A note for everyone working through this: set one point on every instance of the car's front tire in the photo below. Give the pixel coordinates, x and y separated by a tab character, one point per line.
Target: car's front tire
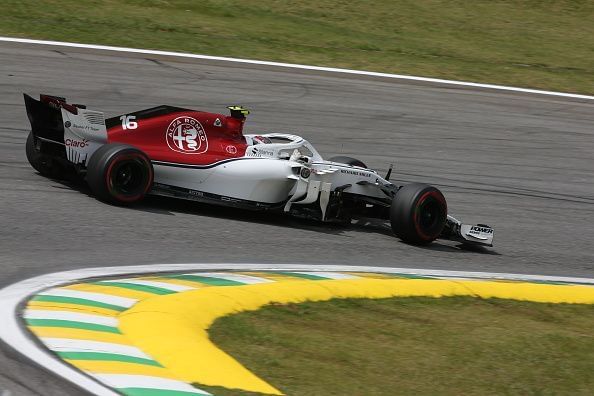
418	213
120	174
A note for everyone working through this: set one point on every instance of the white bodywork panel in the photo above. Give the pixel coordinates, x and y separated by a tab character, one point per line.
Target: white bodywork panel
253	179
270	180
290	171
84	133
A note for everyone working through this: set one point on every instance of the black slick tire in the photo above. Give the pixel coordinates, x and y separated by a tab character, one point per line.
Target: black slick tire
418	213
341	159
41	163
120	174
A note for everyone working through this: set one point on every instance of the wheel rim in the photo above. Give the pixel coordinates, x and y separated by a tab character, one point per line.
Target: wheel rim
128	177
430	215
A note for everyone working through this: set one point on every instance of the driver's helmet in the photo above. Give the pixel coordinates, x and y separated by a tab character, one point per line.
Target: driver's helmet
261	140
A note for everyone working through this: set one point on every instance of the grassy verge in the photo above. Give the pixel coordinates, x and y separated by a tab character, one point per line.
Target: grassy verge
420	346
540	44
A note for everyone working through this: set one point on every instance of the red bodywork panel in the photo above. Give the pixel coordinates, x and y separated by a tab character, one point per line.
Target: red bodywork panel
177	135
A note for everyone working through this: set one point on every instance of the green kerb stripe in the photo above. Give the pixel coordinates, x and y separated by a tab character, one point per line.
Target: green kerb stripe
206	280
112	357
158	392
302	276
77	301
410	276
134	286
72	325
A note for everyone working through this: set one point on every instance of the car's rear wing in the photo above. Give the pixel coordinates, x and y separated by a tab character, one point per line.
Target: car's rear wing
45	117
65	130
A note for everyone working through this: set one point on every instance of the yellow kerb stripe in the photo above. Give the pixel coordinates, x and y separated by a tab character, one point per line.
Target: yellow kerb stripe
106	367
111	290
177	282
79	334
272	276
53	306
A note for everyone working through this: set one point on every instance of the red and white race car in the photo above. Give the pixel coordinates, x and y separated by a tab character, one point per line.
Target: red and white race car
201	156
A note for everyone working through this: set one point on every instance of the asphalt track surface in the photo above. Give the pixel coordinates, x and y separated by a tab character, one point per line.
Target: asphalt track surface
521	163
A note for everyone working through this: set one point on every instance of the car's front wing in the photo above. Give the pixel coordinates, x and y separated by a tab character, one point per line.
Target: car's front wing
479	234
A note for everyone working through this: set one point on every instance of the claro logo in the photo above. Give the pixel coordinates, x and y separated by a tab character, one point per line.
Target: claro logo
76	143
187	136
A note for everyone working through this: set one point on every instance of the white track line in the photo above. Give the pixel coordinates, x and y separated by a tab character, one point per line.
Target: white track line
71	316
122	302
74	345
12	296
293	66
148	382
142	282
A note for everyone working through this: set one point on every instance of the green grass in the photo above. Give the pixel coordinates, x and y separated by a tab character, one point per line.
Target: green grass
415	346
547	44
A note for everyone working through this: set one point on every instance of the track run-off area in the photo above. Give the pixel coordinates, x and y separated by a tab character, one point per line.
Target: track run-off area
520	162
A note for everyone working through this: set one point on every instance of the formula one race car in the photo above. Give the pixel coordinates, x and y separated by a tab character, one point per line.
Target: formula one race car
205	157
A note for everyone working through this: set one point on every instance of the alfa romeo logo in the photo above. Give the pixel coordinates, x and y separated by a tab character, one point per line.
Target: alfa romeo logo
186	135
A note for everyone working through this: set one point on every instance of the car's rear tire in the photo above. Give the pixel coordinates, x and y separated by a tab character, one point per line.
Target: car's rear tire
119	174
40	162
341	159
418	213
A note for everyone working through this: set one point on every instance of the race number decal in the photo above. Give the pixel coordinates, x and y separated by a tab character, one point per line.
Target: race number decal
186	135
128	122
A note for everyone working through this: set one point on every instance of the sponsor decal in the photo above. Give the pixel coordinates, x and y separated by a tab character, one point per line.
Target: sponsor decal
355	173
262	153
479	230
187	136
231	149
67	124
86	128
218	122
196	193
76	143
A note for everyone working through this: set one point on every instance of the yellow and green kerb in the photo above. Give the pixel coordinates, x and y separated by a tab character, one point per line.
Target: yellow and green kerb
147	335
